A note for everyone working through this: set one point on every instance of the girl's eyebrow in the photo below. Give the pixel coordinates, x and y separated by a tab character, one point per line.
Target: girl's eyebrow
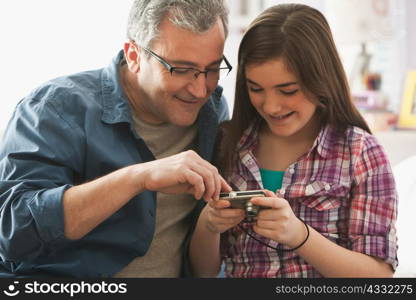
286	84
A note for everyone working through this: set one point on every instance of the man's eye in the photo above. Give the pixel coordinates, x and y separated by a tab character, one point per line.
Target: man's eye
288	93
213	71
182	71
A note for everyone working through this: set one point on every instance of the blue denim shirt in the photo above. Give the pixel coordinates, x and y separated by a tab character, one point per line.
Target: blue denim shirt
69	131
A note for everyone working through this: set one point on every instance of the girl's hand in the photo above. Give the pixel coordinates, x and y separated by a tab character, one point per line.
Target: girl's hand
278	223
219	218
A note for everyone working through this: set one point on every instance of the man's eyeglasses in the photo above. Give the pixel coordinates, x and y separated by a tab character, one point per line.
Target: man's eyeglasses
188	74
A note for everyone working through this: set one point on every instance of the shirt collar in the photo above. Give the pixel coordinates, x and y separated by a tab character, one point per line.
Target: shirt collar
115	105
323	143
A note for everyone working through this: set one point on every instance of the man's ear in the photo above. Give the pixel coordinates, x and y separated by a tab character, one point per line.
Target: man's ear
132	57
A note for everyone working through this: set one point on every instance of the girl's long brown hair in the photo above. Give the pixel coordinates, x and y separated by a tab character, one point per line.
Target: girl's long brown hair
301	36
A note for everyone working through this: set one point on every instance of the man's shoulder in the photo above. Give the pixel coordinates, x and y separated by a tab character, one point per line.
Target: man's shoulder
78	84
79	91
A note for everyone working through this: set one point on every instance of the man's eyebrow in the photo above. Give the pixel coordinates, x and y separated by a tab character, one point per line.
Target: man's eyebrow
194	65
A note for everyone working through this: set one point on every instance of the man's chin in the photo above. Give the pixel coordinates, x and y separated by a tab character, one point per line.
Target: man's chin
184	115
184	121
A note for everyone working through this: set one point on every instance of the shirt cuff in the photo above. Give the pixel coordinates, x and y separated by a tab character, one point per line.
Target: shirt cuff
47	211
377	246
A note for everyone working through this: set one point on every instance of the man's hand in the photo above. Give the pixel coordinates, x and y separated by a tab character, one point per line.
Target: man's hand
89	204
185	172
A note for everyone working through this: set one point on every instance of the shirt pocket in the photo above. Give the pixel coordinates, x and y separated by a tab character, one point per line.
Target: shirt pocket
319	195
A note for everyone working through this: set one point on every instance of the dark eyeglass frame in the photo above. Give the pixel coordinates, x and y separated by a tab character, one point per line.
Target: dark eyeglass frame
171	68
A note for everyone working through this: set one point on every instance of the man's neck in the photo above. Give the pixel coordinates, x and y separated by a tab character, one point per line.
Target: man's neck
134	95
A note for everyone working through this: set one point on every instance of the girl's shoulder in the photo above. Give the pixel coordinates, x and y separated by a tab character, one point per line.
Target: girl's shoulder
360	136
362	145
354	140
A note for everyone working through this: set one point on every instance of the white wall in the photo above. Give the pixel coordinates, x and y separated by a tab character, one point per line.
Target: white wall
43	39
411	36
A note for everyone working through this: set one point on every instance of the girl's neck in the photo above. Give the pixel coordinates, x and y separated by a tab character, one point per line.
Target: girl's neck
305	136
279	152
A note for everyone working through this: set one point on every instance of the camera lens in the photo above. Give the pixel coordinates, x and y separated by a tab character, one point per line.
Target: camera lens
251	210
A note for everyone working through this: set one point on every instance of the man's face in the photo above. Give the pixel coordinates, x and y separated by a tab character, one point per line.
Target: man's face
164	98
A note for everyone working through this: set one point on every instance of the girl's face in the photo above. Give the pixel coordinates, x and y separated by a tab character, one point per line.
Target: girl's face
277	96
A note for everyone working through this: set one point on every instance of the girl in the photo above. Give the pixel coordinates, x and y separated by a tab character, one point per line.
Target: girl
331	206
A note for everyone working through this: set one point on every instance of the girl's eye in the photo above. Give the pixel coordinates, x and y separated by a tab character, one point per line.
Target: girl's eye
288	93
255	90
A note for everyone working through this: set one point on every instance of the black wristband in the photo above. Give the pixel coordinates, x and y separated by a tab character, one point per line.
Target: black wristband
301	244
277	249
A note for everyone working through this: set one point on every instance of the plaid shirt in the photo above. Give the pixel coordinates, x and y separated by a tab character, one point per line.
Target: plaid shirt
343	188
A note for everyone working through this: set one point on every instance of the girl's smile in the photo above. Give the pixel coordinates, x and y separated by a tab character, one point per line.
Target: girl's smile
277	96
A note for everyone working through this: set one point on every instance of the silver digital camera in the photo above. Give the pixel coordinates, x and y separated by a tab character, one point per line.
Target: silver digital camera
241	199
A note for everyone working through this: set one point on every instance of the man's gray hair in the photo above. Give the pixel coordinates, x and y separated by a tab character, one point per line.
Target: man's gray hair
194	15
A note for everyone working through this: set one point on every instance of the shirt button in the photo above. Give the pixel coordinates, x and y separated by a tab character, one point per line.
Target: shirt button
327	187
309	190
282	191
291	171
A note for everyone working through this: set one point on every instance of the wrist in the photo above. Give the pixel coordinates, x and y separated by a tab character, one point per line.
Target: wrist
207	224
137	176
211	229
302	236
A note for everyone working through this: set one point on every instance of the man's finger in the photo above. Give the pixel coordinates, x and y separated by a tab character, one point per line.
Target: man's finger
225	186
207	177
197	182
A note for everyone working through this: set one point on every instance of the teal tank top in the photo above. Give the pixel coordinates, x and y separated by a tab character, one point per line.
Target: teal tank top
272	180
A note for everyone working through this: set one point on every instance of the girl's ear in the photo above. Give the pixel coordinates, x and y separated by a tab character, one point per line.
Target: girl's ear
131	53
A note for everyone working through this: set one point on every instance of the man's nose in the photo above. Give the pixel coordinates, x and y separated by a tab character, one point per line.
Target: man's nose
198	87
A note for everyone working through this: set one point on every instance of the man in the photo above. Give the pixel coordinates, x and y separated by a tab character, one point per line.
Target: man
99	171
